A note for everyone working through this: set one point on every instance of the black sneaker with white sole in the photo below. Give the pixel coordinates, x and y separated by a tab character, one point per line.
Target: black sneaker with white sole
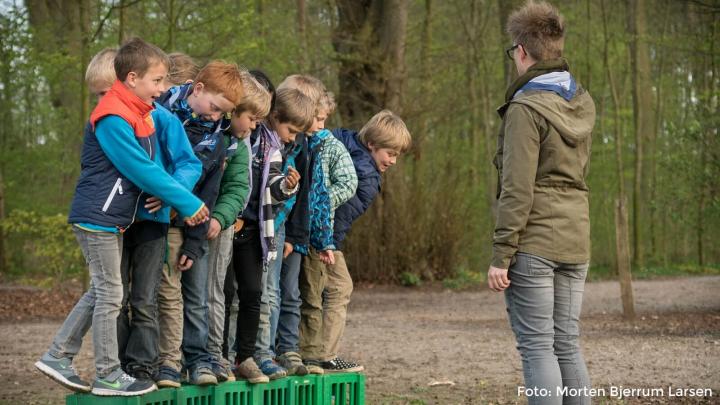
338	365
62	371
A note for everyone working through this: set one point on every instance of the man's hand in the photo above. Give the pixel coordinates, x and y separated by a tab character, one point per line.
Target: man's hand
184	263
200	217
214	229
153	204
498	279
292	178
287	250
327	256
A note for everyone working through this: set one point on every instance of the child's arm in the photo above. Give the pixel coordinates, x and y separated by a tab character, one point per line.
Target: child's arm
343	178
281	187
186	168
118	141
234	189
195	238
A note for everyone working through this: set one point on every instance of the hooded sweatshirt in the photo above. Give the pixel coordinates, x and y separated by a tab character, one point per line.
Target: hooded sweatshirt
542	160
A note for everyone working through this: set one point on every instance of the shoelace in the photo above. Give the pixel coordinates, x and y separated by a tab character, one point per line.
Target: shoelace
127	378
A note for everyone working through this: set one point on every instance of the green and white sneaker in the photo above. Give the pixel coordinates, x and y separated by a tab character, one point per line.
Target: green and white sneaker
118	383
62	371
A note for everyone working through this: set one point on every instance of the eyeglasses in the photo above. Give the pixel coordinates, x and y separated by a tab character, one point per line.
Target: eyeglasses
509	51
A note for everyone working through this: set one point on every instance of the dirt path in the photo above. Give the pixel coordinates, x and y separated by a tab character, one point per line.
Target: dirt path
407	338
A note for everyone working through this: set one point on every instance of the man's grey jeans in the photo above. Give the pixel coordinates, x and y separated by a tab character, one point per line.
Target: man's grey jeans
544	300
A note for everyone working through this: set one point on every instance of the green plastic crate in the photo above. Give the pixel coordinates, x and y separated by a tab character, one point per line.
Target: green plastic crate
165	396
331	389
343	389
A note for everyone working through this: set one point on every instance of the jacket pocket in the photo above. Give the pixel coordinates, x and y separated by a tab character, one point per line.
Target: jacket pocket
117	189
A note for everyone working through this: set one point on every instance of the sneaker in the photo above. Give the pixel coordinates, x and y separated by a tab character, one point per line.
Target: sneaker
338	365
313	367
292	362
142	374
63	372
167	377
272	370
118	383
203	376
221	372
249	371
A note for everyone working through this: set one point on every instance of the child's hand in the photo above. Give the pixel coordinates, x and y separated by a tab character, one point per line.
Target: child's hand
153	204
214	229
200	217
184	263
327	257
238	225
292	178
287	250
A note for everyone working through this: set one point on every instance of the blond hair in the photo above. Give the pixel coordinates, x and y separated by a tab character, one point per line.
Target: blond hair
100	73
183	69
256	98
539	28
386	130
308	85
220	77
327	103
295	108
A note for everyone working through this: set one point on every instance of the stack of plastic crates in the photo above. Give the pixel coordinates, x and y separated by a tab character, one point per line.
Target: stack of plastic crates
330	389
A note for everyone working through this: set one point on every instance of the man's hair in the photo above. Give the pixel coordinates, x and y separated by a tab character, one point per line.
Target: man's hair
386	130
182	69
220	77
292	106
256	97
327	103
136	55
100	72
539	28
308	85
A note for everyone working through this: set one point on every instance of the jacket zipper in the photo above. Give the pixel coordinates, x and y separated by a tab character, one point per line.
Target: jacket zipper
117	188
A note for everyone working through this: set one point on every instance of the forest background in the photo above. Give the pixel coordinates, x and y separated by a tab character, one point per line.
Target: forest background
650	65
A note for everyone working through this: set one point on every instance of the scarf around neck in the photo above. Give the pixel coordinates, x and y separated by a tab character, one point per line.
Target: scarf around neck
122	102
321	231
268	144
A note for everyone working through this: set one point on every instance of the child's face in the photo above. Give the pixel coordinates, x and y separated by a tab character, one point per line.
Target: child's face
150	86
384	157
243	124
318	122
287	132
209	106
99	90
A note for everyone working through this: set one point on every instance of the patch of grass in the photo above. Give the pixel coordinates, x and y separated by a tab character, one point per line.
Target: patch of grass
602	272
409	279
464	279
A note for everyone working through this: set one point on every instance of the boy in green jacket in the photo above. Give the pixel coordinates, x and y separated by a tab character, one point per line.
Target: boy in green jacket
234	190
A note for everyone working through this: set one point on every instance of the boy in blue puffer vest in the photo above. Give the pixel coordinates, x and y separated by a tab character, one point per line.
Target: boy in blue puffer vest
117	166
373	150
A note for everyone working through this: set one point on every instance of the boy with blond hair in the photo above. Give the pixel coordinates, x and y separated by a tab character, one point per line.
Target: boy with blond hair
117	163
374	149
234	190
255	244
183	69
100	73
331	181
201	106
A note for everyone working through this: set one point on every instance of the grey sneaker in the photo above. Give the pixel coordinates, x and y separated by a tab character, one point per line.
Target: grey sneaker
292	362
203	376
249	371
314	367
63	372
118	383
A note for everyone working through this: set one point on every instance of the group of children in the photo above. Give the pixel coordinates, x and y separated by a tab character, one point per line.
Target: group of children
210	209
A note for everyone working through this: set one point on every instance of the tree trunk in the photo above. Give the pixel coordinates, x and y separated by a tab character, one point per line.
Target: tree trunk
370	39
621	219
121	22
643	120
